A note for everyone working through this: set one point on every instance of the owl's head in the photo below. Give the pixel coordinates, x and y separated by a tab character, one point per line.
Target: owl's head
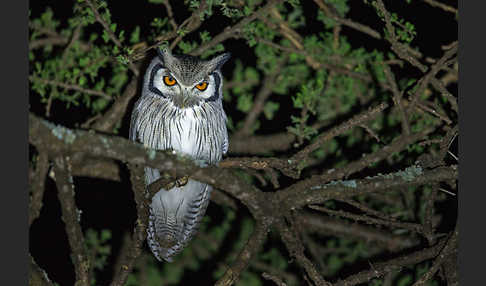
186	81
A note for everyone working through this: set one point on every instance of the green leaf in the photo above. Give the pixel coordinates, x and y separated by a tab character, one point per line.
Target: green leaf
99	104
105	36
244	103
270	108
135	36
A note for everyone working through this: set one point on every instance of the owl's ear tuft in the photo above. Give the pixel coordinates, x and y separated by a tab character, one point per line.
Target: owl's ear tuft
217	62
164	54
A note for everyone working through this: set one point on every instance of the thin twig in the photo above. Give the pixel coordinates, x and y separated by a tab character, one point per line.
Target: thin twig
110	33
397	98
356	120
430	76
449	248
108	121
369	220
70	87
355	25
367	209
277	280
327	225
394	264
235	30
170	14
259	103
441	6
403	51
423	105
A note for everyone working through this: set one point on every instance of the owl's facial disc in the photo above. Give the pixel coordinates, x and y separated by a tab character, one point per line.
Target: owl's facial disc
184	82
185	97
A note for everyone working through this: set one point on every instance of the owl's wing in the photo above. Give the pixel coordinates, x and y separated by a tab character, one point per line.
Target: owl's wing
225	135
133	125
225	143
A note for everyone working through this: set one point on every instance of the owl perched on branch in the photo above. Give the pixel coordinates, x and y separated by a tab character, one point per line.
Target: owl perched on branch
180	109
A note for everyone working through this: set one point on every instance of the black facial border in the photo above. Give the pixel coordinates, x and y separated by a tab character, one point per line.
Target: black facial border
217	82
151	86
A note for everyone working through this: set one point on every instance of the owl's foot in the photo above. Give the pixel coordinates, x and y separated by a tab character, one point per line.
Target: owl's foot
179	182
169	186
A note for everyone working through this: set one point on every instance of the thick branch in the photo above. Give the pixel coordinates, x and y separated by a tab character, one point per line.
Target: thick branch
58	139
356	166
261	144
37	275
345	189
296	249
71	218
251	248
38	186
140	231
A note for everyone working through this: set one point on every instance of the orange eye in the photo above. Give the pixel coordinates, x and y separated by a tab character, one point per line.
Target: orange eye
170	81
202	86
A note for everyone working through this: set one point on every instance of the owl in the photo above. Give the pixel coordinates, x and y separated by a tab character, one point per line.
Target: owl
180	109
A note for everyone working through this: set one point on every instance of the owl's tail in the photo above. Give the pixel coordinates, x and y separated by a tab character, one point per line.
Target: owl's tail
175	216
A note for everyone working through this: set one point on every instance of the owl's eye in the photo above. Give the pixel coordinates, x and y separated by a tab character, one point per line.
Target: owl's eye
169	81
202	86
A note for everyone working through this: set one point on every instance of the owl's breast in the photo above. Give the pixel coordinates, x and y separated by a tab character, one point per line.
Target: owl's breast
186	136
199	132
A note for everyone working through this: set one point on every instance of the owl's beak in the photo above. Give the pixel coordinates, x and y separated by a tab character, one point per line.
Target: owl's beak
183	100
180	100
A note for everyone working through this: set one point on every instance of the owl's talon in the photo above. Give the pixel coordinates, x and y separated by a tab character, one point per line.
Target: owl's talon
169	186
180	182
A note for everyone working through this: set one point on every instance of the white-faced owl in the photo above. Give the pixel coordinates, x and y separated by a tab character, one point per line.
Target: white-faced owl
180	108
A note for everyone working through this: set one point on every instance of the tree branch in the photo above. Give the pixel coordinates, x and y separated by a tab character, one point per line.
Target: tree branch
235	30
38	186
110	33
71	217
382	268
296	249
251	248
70	87
449	249
140	229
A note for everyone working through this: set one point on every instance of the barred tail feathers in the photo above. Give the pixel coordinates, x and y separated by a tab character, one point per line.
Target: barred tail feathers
175	216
